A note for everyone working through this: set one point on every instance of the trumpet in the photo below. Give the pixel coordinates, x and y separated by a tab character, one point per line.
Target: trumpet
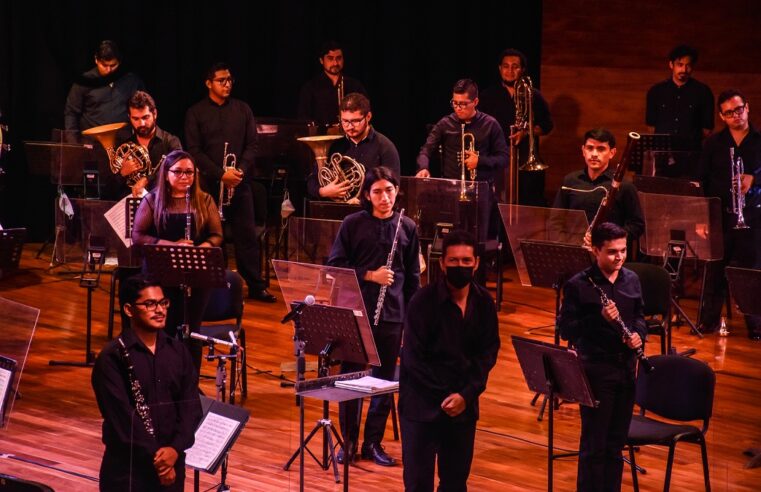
738	199
226	195
467	146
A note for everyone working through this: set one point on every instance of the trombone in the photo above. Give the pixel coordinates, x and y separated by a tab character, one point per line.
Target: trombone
524	121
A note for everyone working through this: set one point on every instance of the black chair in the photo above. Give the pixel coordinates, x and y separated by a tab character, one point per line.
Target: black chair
679	389
226	304
656	294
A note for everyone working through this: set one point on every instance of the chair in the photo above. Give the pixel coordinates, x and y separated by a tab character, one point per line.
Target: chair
656	294
679	389
226	303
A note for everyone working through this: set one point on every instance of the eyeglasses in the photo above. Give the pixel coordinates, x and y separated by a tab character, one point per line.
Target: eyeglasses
460	104
152	305
188	173
224	81
353	122
738	111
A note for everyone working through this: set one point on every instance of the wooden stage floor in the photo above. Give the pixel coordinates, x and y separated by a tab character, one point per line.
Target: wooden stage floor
54	432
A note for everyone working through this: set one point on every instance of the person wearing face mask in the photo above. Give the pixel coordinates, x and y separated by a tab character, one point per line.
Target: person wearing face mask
363	243
451	342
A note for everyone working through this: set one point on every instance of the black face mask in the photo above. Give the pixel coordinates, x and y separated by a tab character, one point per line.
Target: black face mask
459	276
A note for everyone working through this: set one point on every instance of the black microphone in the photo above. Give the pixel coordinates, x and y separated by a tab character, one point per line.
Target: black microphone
296	310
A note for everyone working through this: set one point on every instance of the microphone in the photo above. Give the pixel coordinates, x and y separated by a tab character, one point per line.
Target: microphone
206	339
308	301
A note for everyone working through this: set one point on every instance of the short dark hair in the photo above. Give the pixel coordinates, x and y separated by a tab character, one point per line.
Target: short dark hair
355	102
683	50
330	45
458	237
729	94
513	52
466	86
607	231
601	135
216	67
108	50
371	176
141	99
131	287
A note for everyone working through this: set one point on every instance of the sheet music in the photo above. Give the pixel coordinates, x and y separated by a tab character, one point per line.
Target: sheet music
117	218
5	381
211	440
368	384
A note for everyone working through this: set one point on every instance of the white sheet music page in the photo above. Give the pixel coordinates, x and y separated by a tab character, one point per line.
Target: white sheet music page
117	218
211	439
5	381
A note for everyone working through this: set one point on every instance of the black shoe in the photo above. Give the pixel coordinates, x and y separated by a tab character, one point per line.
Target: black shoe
261	295
374	451
754	335
340	456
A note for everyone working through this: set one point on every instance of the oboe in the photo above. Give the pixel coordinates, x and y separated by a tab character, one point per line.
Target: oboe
639	351
389	262
188	215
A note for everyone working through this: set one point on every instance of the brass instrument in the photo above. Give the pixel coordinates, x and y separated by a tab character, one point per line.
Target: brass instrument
3	147
467	146
738	199
229	161
106	135
524	97
345	169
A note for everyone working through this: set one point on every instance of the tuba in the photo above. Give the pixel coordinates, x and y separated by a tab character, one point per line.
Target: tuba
345	169
106	135
229	161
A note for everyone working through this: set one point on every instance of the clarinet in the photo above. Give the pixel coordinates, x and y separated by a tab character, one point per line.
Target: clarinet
141	407
640	352
389	262
187	214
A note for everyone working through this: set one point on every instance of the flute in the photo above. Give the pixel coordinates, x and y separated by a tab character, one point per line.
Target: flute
639	351
389	262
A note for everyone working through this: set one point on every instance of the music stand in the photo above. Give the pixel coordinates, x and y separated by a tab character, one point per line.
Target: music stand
11	245
185	267
647	143
553	371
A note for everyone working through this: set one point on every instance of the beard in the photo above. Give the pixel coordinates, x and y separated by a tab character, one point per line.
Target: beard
145	131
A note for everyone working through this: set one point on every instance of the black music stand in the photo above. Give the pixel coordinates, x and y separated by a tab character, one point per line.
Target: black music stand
185	267
550	265
647	143
553	371
11	244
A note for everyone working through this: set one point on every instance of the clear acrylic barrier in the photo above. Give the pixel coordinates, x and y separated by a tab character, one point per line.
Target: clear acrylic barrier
330	286
19	323
62	158
431	200
310	240
556	225
670	163
696	220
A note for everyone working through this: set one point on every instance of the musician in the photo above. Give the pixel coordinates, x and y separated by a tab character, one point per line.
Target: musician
144	131
319	97
499	102
362	143
608	359
209	124
451	341
742	248
582	190
162	218
100	95
364	243
681	105
134	459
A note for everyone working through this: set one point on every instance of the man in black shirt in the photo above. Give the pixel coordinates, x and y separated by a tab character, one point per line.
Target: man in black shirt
147	430
499	102
218	124
362	143
585	189
680	105
319	97
609	360
364	243
451	341
143	131
742	247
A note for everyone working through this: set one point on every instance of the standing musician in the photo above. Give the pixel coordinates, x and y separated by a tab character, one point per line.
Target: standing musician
210	124
320	97
364	243
147	392
609	361
177	211
451	342
143	131
499	101
583	190
362	143
742	247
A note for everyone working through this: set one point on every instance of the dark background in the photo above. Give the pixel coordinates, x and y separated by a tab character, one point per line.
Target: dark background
408	55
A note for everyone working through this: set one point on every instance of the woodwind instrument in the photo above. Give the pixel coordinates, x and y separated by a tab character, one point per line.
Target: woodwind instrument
141	408
389	263
188	215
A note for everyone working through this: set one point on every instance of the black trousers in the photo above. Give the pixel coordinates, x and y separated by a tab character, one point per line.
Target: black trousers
116	474
388	338
604	429
242	216
451	442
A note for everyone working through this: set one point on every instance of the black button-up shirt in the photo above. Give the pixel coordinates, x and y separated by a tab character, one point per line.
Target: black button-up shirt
160	145
95	100
445	352
682	111
318	99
